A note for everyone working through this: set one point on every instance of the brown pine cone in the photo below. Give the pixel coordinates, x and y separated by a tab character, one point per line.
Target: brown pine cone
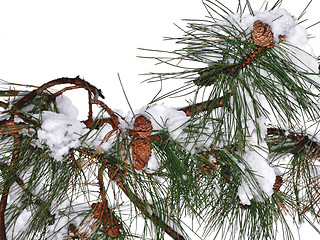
110	224
141	151
111	228
142	127
262	34
277	184
207	168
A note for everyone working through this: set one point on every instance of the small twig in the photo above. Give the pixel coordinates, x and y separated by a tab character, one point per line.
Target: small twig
101	187
76	81
56	94
114	118
90	112
3	205
110	224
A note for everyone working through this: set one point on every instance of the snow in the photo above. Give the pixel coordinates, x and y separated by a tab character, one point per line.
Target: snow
59	133
153	163
66	107
19	227
101	140
265	176
62	131
67	213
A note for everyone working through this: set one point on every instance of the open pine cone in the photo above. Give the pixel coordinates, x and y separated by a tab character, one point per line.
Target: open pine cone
262	34
110	224
141	151
142	127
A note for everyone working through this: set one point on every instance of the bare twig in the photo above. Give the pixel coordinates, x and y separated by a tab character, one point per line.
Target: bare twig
114	118
109	222
56	94
76	81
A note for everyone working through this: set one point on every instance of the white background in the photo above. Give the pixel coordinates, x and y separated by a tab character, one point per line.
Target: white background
96	39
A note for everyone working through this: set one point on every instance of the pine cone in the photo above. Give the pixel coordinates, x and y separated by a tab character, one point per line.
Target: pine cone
262	34
111	228
141	151
110	224
277	184
207	168
142	127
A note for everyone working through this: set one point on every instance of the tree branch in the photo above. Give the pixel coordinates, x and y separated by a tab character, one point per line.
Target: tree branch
7	185
204	106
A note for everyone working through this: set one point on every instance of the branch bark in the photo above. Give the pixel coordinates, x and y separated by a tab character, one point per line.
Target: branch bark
204	106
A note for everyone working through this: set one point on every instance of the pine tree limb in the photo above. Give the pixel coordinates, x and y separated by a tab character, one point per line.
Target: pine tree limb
89	121
3	205
7	185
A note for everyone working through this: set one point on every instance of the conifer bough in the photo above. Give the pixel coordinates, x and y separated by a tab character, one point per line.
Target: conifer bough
235	162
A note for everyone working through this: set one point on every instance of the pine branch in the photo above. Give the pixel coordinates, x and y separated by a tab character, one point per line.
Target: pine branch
141	205
141	132
7	185
301	139
206	165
